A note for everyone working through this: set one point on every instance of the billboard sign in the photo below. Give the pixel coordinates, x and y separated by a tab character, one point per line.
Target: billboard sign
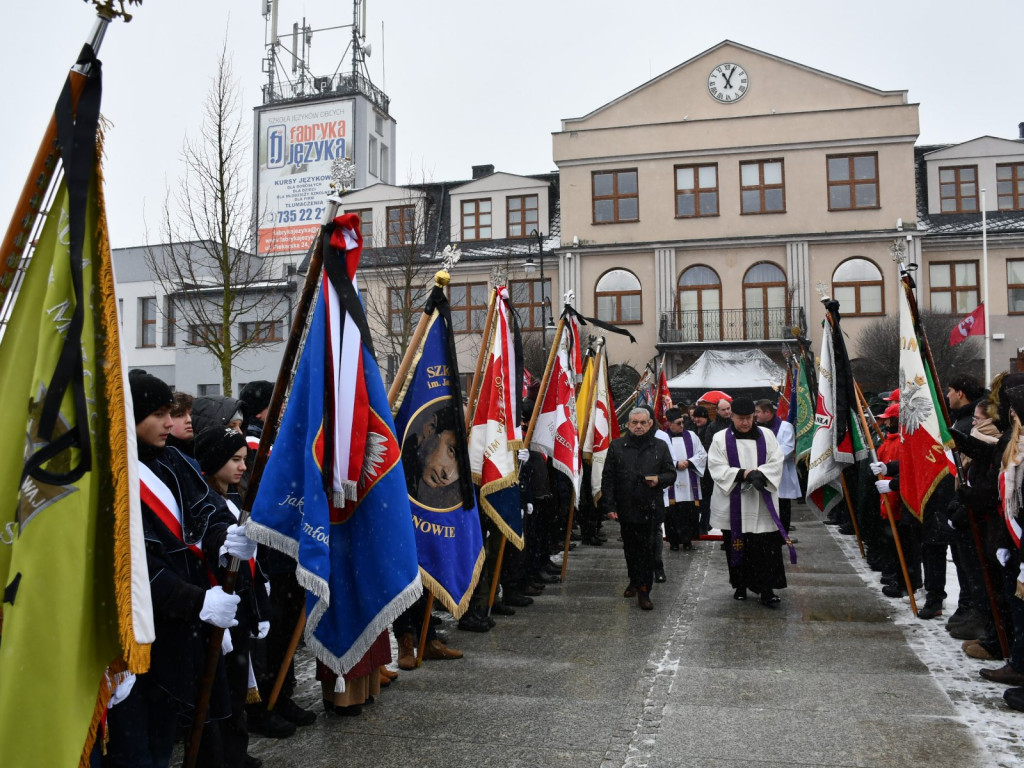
296	146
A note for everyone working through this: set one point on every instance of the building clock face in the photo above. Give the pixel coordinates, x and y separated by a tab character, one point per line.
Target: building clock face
728	82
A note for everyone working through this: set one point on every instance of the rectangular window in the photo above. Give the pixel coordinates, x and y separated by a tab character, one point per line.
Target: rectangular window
522	215
1010	186
404	308
372	165
203	335
958	189
762	187
476	219
534	308
207	390
365	225
170	322
401	225
852	181
385	162
1015	286
696	190
469	306
616	196
378	123
147	321
953	287
261	331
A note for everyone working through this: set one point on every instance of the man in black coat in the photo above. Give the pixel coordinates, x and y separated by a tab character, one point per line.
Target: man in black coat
638	467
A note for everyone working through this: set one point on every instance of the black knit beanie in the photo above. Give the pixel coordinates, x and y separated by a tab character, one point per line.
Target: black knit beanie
149	394
214	446
255	396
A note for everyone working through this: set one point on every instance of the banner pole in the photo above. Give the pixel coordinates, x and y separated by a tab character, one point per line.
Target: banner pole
497	572
423	629
284	379
544	383
485	345
889	513
286	662
40	175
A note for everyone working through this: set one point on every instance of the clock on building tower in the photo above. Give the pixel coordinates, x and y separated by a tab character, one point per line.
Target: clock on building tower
728	82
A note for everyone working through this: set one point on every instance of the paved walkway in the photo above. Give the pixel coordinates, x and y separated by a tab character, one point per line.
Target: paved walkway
584	678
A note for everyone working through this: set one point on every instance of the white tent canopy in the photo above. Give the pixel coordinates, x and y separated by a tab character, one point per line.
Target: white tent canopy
736	369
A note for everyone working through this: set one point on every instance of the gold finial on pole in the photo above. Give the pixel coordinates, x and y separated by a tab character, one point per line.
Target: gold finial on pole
106	9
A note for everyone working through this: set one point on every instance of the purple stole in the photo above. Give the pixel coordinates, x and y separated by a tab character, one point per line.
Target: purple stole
774	426
694	483
736	503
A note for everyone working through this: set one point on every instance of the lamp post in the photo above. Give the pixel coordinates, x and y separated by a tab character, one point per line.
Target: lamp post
530	267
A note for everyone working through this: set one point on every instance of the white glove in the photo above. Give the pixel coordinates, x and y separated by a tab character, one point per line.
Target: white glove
1003	556
237	544
524	455
262	629
226	645
122	691
1020	576
529	508
219	608
882	486
877	468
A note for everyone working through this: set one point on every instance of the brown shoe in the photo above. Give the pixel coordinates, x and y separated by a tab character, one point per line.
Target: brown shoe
406	651
1006	675
976	650
643	599
630	591
437	650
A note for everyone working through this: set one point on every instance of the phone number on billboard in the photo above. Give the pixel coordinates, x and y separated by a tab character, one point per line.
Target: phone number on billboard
299	214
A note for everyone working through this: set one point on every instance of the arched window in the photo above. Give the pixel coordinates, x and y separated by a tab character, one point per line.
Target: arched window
699	300
618	297
765	313
857	286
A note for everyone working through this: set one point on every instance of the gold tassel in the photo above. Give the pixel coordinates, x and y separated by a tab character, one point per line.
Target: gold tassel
135	655
252	696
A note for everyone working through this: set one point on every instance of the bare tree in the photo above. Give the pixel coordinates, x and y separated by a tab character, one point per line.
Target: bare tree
401	264
220	295
878	346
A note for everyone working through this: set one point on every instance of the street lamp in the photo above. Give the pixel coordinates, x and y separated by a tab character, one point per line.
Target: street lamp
529	267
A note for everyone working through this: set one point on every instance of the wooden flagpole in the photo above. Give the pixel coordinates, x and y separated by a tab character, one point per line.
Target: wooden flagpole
284	378
485	345
44	165
861	405
973	520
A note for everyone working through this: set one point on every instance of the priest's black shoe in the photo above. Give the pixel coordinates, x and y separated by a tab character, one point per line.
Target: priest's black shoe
474	622
740	593
500	609
659	577
547	578
769	598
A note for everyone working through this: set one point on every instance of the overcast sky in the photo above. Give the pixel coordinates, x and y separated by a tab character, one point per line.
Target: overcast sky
474	82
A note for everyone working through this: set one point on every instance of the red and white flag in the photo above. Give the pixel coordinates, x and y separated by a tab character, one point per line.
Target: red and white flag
603	427
972	325
346	397
556	433
495	432
924	437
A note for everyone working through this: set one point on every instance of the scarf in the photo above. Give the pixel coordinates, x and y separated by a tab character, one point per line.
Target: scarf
736	497
1010	493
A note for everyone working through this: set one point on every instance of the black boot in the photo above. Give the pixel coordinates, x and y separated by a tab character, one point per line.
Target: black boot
932	608
475	620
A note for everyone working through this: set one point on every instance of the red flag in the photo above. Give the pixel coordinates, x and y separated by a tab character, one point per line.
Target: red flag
664	399
556	433
972	325
783	408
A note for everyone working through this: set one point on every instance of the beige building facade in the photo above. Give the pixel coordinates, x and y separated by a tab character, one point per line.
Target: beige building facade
716	197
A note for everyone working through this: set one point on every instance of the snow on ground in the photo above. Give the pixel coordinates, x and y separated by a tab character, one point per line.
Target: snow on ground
978	702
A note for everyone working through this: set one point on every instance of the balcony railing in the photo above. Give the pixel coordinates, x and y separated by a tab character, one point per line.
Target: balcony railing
718	325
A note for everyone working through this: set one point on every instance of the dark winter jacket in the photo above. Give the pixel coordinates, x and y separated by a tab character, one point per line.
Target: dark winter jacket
623	489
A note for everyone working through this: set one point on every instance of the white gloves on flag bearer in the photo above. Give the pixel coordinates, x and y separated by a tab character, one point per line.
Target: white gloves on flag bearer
219	608
877	468
237	544
882	486
524	455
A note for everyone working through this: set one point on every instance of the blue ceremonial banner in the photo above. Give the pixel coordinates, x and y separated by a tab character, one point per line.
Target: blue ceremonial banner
431	426
357	561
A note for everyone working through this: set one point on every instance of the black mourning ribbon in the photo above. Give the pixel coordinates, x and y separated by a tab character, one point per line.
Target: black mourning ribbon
76	137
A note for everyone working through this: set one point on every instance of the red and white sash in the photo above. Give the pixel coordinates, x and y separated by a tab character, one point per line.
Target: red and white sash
155	494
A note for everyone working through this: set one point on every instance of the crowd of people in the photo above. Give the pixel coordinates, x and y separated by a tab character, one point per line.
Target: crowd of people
734	471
